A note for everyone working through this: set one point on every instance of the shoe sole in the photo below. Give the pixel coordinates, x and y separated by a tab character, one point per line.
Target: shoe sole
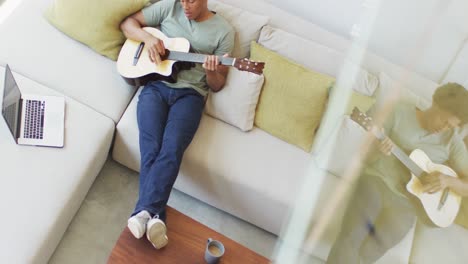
133	226
157	235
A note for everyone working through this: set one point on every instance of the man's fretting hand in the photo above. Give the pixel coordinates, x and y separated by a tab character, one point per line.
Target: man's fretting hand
386	146
212	63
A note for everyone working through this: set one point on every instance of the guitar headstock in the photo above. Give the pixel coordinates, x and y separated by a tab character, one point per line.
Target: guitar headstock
250	66
362	119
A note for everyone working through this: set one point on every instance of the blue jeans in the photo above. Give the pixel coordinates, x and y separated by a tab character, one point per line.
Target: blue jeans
167	120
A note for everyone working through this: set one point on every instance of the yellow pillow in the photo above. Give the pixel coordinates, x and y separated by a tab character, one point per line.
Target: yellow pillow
363	102
94	22
293	98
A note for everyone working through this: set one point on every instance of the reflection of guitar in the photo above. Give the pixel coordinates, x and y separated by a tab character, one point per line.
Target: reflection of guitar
441	207
134	63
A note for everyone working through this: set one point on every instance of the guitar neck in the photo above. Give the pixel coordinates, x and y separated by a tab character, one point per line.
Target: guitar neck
405	159
402	157
197	58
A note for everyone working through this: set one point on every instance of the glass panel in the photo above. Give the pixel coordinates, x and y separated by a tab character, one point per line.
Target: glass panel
386	185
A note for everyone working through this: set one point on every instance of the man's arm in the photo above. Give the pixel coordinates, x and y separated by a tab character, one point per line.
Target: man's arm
132	27
459	185
436	181
385	146
215	73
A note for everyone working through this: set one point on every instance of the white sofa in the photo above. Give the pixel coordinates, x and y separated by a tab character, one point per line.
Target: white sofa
43	188
253	175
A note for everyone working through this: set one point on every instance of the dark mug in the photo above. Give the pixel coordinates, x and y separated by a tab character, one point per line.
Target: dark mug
214	251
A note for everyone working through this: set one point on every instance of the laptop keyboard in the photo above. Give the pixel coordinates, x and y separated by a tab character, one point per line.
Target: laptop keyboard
34	119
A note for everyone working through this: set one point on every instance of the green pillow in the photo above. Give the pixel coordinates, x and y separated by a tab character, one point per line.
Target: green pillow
95	23
293	98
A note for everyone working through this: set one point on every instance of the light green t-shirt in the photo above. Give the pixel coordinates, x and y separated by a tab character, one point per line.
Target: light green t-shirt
403	128
212	36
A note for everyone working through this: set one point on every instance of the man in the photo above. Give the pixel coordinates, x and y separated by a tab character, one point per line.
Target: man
168	114
382	211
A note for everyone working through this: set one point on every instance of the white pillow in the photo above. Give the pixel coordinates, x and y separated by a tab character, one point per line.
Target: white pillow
366	83
235	104
341	147
246	24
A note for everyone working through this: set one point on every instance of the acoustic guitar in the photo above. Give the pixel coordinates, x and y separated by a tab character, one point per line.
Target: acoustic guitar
135	66
441	207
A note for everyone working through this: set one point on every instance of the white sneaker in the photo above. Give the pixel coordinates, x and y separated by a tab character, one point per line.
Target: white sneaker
137	223
156	233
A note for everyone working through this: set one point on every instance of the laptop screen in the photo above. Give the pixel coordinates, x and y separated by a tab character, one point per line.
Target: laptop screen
11	102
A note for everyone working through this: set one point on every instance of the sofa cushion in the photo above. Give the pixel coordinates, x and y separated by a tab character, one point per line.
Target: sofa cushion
246	24
243	181
42	188
293	98
235	104
36	49
95	23
229	169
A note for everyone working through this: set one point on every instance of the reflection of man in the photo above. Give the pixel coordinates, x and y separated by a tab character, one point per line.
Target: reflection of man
380	213
168	114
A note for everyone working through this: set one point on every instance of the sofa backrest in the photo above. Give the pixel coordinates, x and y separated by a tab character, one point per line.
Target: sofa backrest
330	51
305	29
39	51
291	23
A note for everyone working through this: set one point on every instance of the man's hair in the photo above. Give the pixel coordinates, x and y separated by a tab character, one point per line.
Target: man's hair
453	98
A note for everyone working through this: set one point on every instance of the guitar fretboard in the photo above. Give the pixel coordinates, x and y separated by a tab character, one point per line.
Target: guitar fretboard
197	58
409	163
402	156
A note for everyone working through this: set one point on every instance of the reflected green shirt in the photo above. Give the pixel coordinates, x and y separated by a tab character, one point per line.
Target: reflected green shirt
403	128
212	36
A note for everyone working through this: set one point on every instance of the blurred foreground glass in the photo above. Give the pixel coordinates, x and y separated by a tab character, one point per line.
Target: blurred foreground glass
378	223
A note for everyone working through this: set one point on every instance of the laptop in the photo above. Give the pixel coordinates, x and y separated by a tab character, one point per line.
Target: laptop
33	119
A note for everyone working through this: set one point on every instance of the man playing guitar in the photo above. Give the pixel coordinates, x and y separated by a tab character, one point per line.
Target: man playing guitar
381	211
168	114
